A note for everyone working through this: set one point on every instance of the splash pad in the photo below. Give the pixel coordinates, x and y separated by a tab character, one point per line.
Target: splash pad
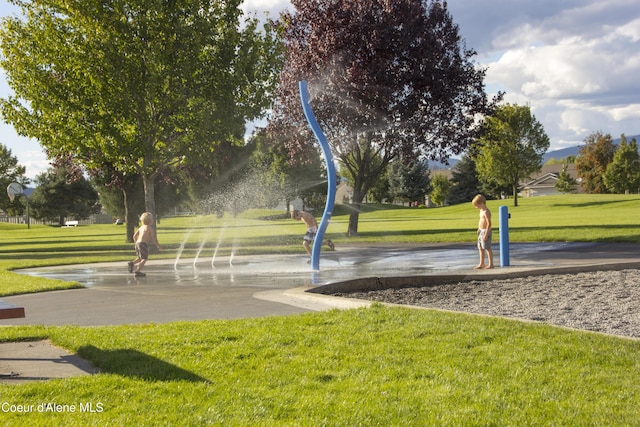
273	271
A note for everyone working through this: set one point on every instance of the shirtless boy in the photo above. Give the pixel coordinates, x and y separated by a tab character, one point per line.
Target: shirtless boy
484	232
312	229
145	236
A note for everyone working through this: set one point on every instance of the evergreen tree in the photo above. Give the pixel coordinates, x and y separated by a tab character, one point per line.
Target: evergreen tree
565	182
409	182
464	181
623	173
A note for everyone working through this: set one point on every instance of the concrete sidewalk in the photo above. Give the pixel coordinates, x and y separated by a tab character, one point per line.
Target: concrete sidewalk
259	286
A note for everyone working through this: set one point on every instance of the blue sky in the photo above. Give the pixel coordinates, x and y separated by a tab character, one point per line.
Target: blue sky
574	62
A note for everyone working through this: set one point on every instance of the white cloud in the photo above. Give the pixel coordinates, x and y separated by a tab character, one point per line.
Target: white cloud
274	7
575	63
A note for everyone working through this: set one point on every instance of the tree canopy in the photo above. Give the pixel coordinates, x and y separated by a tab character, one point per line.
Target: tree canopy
592	162
62	192
511	147
440	189
409	182
622	175
135	85
387	78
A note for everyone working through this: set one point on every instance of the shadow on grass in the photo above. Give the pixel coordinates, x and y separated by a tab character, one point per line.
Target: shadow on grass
592	233
133	363
60	257
590	204
418	232
595	233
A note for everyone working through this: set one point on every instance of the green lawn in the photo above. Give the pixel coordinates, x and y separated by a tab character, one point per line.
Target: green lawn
377	366
371	367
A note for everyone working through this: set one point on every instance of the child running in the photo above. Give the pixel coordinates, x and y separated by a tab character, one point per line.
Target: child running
142	238
312	229
484	232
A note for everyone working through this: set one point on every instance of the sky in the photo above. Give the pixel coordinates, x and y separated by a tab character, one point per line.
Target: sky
576	63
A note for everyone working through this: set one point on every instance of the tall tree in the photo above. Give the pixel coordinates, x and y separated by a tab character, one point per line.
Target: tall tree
409	182
592	162
511	147
10	171
282	176
440	189
62	192
379	188
140	85
623	173
464	181
386	78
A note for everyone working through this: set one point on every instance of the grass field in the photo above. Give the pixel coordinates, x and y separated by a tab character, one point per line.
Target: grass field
376	367
370	367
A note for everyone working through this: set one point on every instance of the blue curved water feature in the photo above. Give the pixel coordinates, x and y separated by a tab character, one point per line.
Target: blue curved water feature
331	174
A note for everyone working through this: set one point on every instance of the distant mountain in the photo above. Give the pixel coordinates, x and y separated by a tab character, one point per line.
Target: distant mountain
562	153
433	165
573	151
556	154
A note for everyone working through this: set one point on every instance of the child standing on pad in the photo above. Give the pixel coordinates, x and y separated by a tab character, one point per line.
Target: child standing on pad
484	232
312	229
142	238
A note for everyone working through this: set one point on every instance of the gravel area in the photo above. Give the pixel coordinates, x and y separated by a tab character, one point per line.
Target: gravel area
606	301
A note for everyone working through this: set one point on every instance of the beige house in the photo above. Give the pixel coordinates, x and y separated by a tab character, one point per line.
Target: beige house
543	183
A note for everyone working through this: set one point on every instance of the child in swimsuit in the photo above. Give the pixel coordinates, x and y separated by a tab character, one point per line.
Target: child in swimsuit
312	229
484	232
145	236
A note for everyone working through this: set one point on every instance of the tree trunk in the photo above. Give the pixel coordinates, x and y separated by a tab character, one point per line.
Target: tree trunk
515	195
358	196
150	194
130	214
353	221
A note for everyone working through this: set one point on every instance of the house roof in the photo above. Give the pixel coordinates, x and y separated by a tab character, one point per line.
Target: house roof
549	178
548	170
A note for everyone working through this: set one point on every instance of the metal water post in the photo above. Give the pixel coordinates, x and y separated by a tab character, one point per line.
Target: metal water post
504	236
331	174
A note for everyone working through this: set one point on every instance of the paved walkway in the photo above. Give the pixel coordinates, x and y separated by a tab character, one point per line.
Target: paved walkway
255	287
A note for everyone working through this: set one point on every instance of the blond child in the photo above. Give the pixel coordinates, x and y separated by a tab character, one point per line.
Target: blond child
312	229
484	232
143	237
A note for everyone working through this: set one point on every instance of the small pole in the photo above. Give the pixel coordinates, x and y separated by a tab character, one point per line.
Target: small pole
28	218
504	236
